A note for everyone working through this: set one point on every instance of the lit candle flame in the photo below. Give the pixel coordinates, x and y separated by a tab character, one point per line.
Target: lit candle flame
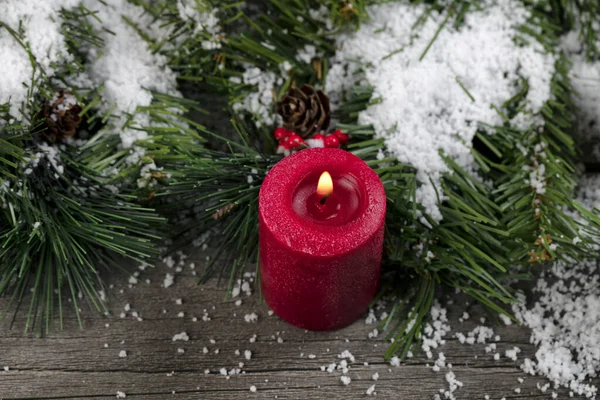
325	186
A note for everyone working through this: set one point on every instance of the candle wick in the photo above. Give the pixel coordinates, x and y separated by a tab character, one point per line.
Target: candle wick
324	199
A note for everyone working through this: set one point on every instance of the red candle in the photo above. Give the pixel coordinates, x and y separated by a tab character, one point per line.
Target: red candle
322	215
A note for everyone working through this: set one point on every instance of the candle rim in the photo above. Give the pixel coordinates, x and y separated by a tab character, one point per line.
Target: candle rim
311	237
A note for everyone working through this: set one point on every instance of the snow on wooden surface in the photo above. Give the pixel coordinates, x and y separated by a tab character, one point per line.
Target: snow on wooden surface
284	363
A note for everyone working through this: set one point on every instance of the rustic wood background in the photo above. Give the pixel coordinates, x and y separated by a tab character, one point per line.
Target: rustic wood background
84	363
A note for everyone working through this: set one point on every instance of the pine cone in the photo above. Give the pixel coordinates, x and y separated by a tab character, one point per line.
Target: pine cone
305	111
61	117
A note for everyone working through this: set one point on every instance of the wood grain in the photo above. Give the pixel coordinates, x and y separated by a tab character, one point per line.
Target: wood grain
75	364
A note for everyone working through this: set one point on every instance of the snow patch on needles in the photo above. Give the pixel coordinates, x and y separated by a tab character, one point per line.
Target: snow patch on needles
40	24
435	102
260	102
205	19
126	67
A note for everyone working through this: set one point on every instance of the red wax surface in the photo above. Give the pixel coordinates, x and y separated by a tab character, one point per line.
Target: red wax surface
320	264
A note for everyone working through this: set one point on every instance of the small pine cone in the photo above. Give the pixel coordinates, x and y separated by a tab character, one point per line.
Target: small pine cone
305	111
61	117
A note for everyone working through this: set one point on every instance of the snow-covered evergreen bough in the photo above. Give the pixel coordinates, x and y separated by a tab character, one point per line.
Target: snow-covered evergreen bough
86	103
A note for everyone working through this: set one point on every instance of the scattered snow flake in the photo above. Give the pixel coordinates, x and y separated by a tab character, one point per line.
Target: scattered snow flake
122	354
564	319
345	380
169	280
121	395
505	319
181	336
371	390
512	353
253	389
251	317
247	354
395	361
348	355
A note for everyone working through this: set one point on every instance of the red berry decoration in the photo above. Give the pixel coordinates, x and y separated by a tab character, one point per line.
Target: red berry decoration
342	136
294	141
282	133
318	136
331	141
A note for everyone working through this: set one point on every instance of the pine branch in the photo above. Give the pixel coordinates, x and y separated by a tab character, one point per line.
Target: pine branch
582	16
220	189
60	221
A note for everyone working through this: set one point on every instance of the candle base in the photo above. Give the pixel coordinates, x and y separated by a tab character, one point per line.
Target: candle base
323	295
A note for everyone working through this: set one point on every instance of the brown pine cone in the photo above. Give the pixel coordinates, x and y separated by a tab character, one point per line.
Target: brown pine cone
305	111
61	117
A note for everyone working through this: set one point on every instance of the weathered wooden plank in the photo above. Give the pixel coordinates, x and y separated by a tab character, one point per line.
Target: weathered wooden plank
406	382
74	363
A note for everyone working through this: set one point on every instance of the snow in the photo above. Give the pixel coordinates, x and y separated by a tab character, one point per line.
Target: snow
169	280
371	390
345	380
564	324
453	385
40	24
252	317
181	336
425	109
205	20
512	353
347	355
259	102
127	70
